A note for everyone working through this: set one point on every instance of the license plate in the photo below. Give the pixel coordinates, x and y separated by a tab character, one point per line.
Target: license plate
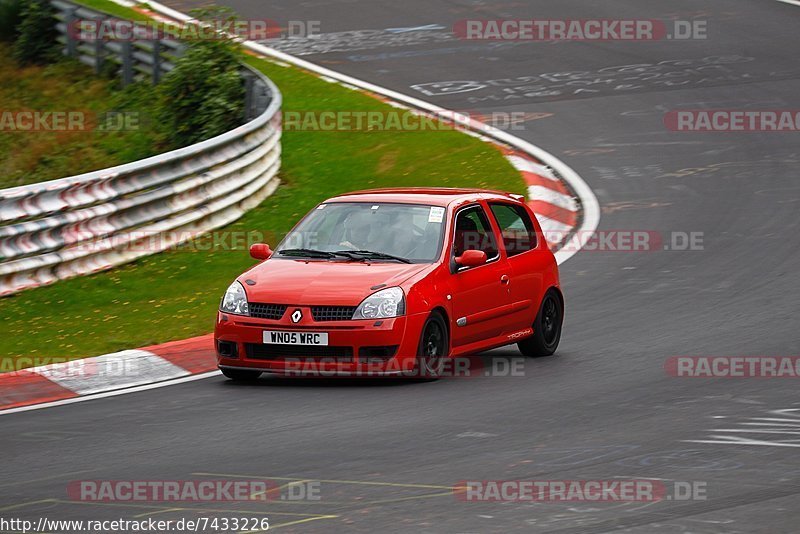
275	337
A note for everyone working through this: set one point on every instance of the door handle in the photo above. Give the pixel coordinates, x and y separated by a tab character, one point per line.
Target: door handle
504	279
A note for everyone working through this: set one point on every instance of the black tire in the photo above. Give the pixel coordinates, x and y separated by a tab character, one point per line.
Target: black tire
241	375
434	348
546	328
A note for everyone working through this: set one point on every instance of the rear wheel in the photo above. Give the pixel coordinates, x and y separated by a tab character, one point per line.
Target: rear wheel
434	347
546	328
241	375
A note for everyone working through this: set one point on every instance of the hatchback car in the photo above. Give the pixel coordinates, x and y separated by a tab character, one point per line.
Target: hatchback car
393	282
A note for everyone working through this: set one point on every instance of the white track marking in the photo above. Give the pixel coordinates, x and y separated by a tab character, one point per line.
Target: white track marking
791	2
117	370
427	27
757	431
787	425
526	165
115	393
552	226
733	440
545	194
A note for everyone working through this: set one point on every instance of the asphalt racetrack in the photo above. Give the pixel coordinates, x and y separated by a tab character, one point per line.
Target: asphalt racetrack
385	454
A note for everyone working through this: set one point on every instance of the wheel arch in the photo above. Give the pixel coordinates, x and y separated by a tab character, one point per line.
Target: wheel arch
558	292
443	312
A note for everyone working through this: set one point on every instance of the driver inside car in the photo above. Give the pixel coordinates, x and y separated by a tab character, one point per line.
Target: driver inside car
404	242
357	232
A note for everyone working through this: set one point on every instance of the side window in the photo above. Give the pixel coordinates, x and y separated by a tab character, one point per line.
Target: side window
518	232
473	232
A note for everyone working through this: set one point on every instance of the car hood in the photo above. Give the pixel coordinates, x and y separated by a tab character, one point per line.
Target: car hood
313	282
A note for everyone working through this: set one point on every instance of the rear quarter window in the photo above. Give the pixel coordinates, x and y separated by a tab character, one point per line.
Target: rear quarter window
516	228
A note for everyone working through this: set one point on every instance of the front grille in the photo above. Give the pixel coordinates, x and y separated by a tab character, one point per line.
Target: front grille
332	313
266	311
257	351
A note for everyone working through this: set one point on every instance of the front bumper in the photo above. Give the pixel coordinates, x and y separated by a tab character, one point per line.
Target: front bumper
384	347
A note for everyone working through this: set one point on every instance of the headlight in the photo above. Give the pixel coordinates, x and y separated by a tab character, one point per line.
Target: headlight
381	305
235	300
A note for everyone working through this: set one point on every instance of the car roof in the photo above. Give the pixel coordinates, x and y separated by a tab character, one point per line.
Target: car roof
435	196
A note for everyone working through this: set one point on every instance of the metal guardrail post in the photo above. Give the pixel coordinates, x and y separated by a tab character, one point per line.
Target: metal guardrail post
127	63
99	49
70	21
156	61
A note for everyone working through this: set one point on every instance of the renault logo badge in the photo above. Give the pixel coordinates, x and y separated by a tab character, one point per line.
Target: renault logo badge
296	316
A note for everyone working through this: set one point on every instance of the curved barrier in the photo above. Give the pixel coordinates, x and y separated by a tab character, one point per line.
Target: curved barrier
91	222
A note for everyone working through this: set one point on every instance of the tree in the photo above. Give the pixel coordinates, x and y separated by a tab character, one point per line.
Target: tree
203	96
36	42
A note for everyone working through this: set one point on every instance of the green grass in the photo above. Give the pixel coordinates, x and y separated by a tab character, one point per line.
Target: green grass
68	86
113	9
175	294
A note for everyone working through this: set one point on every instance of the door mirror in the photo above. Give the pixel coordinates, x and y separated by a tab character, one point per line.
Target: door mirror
260	251
471	258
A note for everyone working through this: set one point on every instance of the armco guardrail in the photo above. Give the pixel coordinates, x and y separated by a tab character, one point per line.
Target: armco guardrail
134	59
91	222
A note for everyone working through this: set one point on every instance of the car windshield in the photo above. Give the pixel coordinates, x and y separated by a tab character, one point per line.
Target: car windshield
375	231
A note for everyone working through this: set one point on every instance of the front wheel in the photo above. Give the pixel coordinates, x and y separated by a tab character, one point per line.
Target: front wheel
434	348
241	375
546	328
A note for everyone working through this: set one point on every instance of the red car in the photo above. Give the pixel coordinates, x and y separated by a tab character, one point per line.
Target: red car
393	282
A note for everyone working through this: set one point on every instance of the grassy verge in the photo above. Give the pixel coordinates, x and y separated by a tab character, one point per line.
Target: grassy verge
174	295
113	9
68	86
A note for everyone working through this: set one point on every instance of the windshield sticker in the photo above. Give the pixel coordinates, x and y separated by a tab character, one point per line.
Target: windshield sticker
436	215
